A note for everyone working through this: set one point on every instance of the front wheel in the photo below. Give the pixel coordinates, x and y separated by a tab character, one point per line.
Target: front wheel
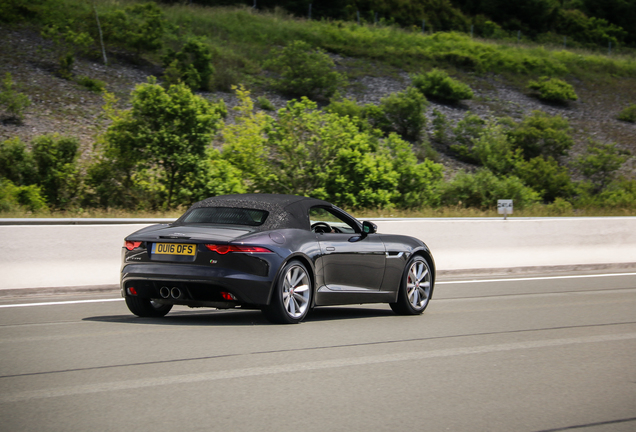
415	289
292	295
147	308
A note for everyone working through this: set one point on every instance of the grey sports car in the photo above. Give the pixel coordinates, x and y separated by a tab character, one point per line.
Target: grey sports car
282	254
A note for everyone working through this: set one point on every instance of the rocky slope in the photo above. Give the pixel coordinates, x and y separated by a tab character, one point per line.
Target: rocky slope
65	107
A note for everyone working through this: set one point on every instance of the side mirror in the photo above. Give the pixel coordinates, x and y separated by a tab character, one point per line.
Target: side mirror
369	228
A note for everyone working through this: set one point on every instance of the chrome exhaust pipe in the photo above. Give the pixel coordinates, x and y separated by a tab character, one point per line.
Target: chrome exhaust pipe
176	293
164	292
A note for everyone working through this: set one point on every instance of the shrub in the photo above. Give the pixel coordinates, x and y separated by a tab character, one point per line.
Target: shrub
166	131
140	27
545	176
265	104
441	127
20	198
51	167
13	101
401	112
92	84
69	43
553	90
16	163
600	162
192	66
541	134
436	84
58	175
560	207
493	150
465	132
483	189
304	71
628	113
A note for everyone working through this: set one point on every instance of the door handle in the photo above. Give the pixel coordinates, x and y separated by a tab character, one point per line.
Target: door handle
331	248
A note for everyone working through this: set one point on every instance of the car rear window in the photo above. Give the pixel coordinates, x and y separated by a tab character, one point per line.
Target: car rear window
226	215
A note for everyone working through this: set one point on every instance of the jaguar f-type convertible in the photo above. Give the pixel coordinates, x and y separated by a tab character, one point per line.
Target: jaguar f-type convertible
282	254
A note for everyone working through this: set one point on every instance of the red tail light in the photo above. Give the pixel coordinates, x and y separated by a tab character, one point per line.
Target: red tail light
130	245
223	249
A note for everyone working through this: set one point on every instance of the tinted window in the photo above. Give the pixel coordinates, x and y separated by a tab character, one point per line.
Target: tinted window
226	215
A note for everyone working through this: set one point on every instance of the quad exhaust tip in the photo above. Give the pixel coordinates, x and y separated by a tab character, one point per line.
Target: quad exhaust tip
176	293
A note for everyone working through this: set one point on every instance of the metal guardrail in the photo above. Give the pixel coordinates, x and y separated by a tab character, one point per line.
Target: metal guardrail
83	221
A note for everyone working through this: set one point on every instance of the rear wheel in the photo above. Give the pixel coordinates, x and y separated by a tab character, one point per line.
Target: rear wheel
291	298
143	307
415	289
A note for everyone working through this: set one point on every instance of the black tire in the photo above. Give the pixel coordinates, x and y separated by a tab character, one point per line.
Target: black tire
143	307
291	299
416	288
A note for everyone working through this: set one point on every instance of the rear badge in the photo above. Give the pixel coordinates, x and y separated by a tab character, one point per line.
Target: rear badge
213	261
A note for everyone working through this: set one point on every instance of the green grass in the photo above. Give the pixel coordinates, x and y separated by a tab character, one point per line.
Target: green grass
247	36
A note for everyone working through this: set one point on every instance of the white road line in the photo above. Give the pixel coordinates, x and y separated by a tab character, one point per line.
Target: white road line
436	283
60	303
299	367
533	278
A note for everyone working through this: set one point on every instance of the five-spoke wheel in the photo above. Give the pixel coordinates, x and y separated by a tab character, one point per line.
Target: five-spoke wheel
291	298
416	288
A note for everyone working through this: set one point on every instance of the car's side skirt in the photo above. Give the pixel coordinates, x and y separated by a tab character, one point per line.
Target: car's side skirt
326	297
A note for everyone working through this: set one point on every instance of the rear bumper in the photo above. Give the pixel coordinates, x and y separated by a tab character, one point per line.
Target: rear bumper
201	285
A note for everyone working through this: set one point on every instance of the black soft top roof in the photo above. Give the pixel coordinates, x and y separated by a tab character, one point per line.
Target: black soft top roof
285	211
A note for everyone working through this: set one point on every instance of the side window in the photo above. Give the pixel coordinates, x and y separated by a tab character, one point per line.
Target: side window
324	221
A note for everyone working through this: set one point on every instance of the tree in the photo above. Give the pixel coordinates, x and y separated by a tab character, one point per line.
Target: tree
165	130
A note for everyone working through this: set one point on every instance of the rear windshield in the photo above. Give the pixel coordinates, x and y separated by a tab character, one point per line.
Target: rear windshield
226	215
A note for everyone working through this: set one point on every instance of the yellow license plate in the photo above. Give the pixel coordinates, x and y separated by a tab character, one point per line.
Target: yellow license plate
173	249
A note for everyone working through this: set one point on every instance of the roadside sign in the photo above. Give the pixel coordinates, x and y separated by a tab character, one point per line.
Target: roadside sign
504	207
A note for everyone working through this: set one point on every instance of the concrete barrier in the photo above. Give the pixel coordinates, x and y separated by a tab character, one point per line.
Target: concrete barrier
89	255
462	245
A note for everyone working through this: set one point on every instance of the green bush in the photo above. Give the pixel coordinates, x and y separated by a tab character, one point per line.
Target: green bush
17	163
540	134
600	163
140	27
92	84
20	198
165	132
51	167
401	112
192	66
465	132
265	104
58	174
553	90
545	176
14	102
436	84
317	153
628	113
69	44
483	189
305	71
493	150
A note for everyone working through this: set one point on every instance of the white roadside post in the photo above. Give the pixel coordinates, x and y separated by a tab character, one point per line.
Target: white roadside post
504	207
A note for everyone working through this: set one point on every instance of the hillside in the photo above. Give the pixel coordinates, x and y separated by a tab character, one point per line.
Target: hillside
377	63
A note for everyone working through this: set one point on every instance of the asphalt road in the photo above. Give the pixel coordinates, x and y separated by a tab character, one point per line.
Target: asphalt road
537	354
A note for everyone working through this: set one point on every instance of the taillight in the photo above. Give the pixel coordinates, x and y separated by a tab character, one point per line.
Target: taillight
223	249
130	245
